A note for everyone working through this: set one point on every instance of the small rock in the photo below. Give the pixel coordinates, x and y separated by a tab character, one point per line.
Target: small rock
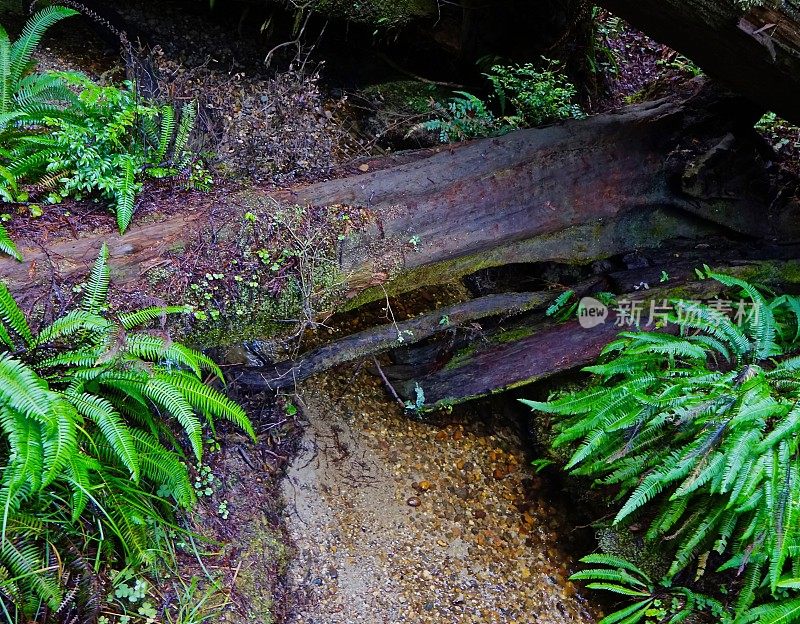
364	167
413	501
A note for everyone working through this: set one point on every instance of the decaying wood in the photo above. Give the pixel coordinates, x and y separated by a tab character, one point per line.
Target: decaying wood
539	348
392	335
685	167
755	52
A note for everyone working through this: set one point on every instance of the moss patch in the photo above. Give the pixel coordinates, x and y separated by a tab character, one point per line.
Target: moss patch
380	13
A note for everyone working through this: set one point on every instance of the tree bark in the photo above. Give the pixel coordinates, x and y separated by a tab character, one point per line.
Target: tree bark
754	52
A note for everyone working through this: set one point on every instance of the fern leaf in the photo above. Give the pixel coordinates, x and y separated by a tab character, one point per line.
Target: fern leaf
70	324
96	296
129	320
167	131
782	612
185	127
12	316
126	196
23	48
164	393
111	425
209	401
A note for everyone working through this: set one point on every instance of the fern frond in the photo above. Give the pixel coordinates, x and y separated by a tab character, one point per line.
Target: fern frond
126	195
96	296
111	425
22	49
12	316
129	320
209	401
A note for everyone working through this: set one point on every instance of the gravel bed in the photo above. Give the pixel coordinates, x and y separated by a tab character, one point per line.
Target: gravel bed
396	520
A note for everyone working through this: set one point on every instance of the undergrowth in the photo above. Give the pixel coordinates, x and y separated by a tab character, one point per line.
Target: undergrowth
93	413
523	96
63	135
698	433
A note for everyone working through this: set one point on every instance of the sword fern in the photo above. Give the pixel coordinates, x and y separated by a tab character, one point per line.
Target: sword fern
700	434
88	406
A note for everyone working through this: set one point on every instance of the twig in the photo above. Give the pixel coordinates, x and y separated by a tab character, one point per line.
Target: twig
388	385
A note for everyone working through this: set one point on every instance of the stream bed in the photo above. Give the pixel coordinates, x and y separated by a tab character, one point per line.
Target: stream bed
396	520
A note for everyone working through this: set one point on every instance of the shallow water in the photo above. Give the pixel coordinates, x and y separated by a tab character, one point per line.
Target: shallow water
399	521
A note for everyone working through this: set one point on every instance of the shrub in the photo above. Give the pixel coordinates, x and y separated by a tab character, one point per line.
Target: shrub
534	97
89	407
699	432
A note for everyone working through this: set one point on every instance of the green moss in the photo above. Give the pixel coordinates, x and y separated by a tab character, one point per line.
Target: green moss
379	13
267	556
406	96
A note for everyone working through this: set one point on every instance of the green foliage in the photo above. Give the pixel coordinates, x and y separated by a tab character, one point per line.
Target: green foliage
536	96
68	136
25	99
464	117
89	411
699	433
532	96
107	144
653	603
783	136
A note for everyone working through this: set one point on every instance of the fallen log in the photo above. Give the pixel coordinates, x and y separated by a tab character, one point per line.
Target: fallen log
518	345
755	51
572	192
539	348
385	337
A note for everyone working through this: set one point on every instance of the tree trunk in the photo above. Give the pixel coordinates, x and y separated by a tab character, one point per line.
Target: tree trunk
755	52
686	167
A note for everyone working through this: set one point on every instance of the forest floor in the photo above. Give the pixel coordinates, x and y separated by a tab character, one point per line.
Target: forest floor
349	510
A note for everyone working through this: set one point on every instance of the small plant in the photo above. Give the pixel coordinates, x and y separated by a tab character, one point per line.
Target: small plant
653	604
419	401
204	481
222	510
106	145
537	96
464	117
26	99
525	96
783	136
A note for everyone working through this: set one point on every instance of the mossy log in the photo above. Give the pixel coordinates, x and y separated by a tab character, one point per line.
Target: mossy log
685	167
515	343
385	337
536	347
753	46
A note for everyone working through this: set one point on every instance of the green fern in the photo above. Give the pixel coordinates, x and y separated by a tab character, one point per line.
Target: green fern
83	402
652	602
701	434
